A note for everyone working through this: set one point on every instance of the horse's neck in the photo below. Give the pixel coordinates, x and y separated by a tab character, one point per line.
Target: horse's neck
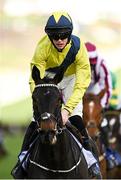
65	150
62	155
65	143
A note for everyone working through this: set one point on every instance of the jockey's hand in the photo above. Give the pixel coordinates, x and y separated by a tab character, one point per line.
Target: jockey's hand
65	116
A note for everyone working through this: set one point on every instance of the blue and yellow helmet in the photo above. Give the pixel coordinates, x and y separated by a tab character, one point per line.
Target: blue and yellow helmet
58	22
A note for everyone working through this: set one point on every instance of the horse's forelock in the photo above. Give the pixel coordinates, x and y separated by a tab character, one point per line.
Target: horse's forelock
47	79
91	97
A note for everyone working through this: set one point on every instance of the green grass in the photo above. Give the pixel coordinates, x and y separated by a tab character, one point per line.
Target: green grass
12	144
17	113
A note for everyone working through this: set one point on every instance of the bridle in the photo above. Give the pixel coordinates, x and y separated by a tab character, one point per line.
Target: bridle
57	129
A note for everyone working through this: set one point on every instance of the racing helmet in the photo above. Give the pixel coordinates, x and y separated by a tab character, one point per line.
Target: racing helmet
92	52
59	23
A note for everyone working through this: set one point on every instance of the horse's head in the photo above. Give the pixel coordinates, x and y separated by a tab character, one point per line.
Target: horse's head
92	112
47	102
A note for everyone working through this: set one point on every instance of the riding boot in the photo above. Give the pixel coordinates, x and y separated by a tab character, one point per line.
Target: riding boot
19	172
94	170
78	123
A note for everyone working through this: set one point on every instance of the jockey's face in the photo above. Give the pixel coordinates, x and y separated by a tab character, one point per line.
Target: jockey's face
60	43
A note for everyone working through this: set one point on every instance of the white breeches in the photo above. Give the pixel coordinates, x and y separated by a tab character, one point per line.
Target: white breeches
66	86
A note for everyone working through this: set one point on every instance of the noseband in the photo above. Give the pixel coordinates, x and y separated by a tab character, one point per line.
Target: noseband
50	120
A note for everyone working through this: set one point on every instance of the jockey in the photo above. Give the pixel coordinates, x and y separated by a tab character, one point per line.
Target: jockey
60	49
101	77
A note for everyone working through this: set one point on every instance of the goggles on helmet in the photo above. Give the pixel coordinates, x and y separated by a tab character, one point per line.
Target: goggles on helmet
61	35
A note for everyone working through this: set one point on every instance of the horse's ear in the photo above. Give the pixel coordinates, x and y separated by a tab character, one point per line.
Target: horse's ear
35	74
58	77
102	93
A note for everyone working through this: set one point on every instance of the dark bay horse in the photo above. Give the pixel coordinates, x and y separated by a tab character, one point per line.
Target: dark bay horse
92	115
114	128
55	154
114	138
